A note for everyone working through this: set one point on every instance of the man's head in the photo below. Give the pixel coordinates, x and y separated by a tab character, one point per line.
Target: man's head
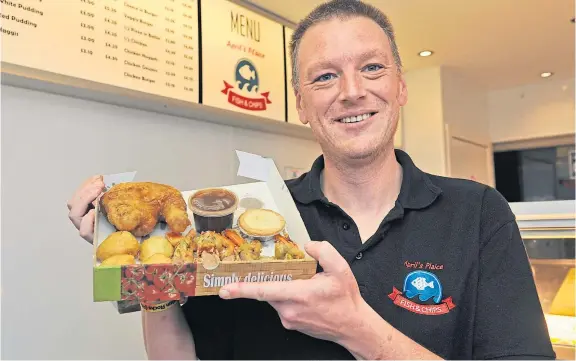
347	78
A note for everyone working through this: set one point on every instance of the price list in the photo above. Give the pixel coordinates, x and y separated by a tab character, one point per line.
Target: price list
145	45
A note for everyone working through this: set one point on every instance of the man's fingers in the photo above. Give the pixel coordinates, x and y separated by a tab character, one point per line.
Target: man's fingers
92	182
90	186
262	291
80	202
327	256
87	226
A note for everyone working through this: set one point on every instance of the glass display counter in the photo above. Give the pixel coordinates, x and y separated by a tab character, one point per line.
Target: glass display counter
548	231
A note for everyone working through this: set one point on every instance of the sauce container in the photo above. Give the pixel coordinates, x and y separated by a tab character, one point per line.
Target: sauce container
213	209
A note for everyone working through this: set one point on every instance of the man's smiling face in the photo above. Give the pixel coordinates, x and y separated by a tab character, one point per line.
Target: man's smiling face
350	89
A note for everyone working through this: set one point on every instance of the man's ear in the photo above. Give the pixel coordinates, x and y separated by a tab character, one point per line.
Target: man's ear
402	91
300	108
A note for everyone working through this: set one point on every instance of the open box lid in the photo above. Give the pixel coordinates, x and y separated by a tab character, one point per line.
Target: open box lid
264	169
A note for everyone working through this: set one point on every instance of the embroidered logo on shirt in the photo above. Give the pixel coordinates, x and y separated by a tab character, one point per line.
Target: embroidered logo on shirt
424	265
422	286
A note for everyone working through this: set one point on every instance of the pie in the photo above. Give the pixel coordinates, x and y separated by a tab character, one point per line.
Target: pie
261	222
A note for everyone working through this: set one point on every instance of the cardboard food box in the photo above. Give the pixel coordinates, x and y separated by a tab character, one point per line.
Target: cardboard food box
248	232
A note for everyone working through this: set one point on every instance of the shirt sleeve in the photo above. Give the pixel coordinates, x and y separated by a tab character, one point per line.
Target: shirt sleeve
211	321
509	321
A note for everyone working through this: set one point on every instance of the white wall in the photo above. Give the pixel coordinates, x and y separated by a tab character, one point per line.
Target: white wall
542	109
50	144
440	97
465	107
423	120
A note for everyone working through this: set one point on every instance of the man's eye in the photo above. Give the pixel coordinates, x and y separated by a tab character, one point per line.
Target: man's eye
373	67
324	77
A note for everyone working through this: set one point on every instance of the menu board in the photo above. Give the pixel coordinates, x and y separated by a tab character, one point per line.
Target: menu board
243	60
144	45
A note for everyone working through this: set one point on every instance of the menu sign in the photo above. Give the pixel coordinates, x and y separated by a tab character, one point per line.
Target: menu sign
243	60
144	45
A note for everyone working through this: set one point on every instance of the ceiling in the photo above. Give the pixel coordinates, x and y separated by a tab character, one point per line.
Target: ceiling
495	43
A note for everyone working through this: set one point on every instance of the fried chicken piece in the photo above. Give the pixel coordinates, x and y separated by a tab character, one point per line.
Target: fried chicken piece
175	238
183	253
205	242
184	246
286	249
250	251
215	243
137	207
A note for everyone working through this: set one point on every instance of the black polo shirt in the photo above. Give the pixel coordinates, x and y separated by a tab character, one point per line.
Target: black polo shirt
447	267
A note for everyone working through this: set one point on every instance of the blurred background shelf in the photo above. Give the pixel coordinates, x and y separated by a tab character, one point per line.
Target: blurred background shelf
548	232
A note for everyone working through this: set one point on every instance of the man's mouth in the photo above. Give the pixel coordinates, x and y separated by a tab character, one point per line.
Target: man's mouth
355	118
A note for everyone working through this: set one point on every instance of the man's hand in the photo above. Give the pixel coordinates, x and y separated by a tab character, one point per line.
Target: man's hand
79	206
327	306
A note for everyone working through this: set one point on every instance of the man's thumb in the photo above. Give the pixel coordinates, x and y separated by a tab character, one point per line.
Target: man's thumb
327	256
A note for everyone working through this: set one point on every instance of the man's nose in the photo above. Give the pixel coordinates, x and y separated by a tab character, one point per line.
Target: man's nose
352	87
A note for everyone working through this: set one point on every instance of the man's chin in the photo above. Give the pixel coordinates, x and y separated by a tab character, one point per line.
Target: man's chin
357	153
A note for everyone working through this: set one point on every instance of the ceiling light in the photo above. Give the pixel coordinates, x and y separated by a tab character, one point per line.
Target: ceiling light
425	53
546	75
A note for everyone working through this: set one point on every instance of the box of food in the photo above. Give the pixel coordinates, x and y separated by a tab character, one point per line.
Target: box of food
153	242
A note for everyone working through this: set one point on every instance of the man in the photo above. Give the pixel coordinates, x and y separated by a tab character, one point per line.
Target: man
414	266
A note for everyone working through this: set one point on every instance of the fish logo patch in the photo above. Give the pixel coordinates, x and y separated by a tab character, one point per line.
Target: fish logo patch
247	87
422	286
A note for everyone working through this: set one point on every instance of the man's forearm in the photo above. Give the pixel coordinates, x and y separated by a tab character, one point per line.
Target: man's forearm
372	338
167	335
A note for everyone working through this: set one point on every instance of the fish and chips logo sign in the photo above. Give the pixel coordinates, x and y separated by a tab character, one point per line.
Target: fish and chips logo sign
427	287
242	94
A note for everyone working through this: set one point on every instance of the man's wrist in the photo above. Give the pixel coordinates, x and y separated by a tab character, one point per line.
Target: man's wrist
361	339
159	307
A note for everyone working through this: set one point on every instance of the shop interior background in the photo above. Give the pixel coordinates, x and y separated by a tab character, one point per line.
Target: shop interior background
492	101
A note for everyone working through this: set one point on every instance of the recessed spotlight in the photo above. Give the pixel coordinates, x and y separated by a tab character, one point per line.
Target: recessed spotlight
425	53
546	75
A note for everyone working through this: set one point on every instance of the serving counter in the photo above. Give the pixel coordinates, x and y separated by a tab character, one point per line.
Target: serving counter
548	231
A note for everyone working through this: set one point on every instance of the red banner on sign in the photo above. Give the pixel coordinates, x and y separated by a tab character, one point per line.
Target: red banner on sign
439	309
245	102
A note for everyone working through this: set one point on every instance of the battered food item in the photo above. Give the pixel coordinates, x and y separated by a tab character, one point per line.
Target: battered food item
286	249
261	222
175	238
213	209
156	244
184	252
250	251
214	243
117	243
137	207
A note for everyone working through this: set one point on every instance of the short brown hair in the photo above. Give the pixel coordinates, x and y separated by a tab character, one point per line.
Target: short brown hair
341	9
